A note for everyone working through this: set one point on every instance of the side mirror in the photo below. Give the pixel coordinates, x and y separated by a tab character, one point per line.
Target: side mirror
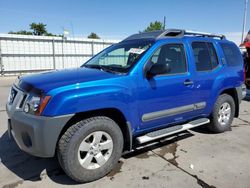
157	69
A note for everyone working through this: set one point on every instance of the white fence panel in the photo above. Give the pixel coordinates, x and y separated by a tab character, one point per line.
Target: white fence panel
21	53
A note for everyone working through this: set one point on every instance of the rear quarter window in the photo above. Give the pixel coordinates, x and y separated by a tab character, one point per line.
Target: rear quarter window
232	54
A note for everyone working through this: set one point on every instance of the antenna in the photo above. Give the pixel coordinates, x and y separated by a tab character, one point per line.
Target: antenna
164	23
74	42
64	37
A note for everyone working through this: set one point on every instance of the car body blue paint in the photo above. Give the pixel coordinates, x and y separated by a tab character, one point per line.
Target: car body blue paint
47	81
81	90
116	92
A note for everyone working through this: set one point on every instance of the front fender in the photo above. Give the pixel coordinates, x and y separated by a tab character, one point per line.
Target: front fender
82	97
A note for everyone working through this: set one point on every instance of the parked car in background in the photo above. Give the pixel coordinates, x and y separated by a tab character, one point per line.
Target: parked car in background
247	68
146	87
246	56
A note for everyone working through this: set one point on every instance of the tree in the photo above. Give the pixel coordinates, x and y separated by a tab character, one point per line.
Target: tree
53	35
21	32
38	29
93	36
154	26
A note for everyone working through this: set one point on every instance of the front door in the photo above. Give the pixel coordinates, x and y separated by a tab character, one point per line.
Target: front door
167	98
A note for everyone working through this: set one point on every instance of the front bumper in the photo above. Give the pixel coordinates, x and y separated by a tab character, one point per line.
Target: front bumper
37	135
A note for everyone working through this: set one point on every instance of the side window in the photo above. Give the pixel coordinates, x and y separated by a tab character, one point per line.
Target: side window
205	56
173	55
232	55
213	55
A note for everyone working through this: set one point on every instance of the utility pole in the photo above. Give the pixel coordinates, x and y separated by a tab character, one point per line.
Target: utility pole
64	38
244	21
1	61
164	23
62	48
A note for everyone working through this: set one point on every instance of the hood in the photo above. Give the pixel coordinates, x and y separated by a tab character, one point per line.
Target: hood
46	81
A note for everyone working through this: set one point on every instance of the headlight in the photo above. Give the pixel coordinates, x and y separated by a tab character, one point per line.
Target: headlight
35	105
12	96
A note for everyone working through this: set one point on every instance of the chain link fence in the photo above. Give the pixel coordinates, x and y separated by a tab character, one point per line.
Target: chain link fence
22	54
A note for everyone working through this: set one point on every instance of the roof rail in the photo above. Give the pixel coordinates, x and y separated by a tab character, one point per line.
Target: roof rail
203	34
154	35
182	33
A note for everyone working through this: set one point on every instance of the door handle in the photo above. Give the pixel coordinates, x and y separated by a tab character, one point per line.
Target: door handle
188	82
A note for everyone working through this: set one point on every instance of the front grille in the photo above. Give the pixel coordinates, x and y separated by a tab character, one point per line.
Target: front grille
17	98
16	101
22	101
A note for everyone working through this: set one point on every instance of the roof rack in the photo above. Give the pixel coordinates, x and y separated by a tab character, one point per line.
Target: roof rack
169	33
182	33
203	34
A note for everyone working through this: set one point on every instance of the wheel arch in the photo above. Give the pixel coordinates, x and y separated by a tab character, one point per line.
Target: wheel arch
112	113
233	93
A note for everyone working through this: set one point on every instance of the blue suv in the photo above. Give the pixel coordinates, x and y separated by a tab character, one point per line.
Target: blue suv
146	87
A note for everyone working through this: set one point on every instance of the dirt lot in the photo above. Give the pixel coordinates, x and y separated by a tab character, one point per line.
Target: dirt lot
194	158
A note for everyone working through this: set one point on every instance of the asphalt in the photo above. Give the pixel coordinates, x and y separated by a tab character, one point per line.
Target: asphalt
195	158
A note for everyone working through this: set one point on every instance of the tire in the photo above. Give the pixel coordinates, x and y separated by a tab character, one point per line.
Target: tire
221	117
80	155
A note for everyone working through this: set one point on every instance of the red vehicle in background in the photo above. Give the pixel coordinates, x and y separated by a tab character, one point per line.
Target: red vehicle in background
246	56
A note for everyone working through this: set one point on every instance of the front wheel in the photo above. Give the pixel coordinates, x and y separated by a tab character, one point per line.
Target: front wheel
223	114
89	149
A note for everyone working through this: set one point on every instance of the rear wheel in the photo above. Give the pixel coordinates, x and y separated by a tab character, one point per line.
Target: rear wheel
89	149
223	114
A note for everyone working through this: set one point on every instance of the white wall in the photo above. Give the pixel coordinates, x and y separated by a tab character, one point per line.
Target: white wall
20	53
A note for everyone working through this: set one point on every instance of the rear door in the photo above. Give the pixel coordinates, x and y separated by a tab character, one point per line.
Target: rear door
207	71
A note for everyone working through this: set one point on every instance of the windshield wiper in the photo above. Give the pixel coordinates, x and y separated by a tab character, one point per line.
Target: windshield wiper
101	67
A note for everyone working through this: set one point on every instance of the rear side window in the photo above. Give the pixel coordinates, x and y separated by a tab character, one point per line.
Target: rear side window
232	55
213	55
205	56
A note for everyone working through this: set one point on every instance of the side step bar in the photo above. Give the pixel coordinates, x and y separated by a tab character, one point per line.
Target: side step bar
171	130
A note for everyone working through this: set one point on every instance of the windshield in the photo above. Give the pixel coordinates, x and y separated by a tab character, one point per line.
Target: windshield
119	57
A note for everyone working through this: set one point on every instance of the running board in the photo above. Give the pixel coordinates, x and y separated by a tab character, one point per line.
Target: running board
171	130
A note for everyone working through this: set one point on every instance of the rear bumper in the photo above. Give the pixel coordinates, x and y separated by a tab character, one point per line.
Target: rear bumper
241	92
36	135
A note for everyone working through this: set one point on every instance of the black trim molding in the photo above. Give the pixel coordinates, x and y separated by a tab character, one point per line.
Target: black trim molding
173	111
